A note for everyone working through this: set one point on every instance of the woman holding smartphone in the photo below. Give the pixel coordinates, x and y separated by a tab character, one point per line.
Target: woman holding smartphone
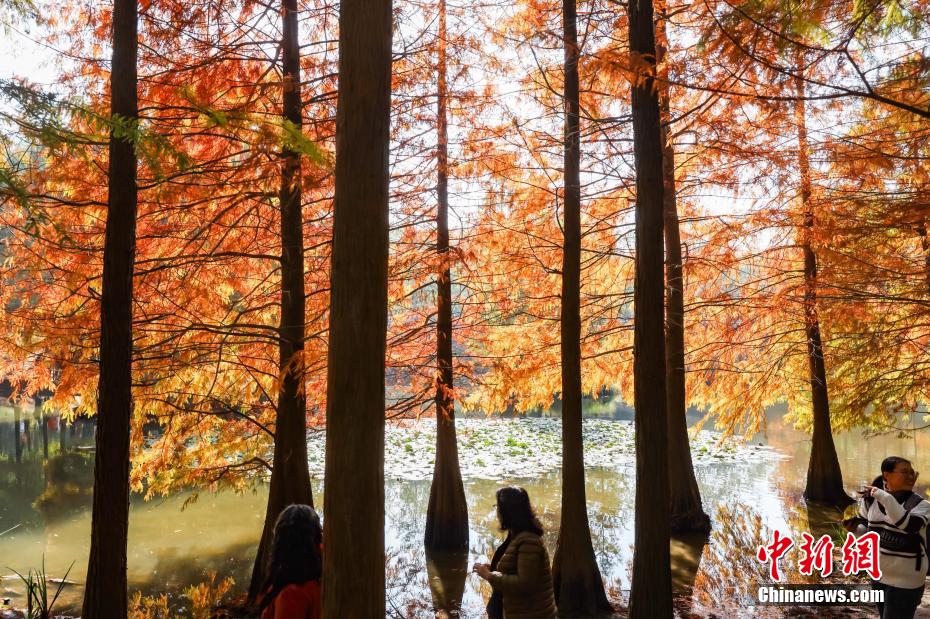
890	508
519	573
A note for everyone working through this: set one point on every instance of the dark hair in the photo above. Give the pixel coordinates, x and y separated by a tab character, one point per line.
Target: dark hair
889	464
515	512
295	551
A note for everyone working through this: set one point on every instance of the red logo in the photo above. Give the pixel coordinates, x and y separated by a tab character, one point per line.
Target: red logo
861	555
773	552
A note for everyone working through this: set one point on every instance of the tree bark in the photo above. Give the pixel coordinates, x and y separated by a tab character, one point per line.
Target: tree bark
28	422
44	418
447	511
576	578
353	564
651	594
290	476
824	478
687	511
62	427
105	594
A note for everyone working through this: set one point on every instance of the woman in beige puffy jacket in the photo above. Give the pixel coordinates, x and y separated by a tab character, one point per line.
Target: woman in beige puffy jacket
519	573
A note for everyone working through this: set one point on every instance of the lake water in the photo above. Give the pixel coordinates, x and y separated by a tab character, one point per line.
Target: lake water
171	548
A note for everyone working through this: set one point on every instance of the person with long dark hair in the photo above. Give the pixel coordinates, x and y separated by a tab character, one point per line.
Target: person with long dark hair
292	590
891	508
520	572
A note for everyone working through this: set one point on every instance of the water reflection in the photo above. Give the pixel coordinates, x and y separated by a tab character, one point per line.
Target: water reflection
687	551
447	572
731	575
171	548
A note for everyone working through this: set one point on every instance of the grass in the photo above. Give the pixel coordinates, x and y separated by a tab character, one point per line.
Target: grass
38	605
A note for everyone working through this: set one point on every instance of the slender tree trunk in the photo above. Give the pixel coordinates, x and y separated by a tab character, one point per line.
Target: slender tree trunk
17	433
353	564
105	594
576	578
651	595
62	427
824	478
290	476
447	512
687	512
29	421
41	411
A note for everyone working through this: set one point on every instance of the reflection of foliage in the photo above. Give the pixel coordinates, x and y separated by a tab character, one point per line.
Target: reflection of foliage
69	485
204	599
731	574
207	595
406	573
148	607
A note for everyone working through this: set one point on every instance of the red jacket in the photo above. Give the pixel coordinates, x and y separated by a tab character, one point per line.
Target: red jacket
297	602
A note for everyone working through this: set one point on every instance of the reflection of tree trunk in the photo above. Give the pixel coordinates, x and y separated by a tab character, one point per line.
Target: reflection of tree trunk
353	564
105	595
17	433
28	422
290	477
687	513
447	511
824	478
88	429
576	578
447	572
40	409
687	551
651	594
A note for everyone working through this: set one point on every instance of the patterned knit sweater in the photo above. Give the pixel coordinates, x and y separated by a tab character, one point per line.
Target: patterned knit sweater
907	567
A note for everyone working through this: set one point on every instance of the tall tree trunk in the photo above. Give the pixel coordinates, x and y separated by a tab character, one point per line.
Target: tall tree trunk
40	411
576	578
824	478
447	512
17	433
651	595
687	512
28	422
290	476
353	564
62	427
105	593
